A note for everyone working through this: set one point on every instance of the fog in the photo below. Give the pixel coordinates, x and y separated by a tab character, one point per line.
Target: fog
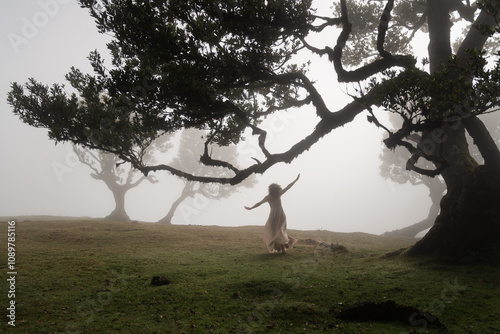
339	190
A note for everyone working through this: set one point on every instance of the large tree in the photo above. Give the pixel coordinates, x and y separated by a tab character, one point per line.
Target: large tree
226	65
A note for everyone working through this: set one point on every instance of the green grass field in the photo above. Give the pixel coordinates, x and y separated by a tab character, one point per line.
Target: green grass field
95	277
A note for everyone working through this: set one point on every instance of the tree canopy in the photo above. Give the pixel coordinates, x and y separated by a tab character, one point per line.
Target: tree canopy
224	66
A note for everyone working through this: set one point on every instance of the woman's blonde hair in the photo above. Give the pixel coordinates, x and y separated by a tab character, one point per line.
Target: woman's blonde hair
274	190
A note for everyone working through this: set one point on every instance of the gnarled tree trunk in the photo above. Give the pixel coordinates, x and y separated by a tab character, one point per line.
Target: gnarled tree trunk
187	191
119	213
168	218
470	211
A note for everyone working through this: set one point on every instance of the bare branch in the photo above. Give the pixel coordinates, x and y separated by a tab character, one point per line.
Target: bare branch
441	164
329	21
336	54
138	181
466	11
81	152
475	38
328	51
316	98
207	160
375	67
382	28
373	119
324	126
286	105
484	142
368	70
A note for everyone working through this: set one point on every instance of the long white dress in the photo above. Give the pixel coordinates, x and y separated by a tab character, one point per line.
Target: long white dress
275	235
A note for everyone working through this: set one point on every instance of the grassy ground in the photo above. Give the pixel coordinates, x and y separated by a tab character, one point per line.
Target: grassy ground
94	277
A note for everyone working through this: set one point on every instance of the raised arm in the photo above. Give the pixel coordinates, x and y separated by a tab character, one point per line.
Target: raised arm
290	185
257	204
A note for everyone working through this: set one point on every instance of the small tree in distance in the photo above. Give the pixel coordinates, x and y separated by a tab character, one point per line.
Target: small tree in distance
190	149
118	177
119	180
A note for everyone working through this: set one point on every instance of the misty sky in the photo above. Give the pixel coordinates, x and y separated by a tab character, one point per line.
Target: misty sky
340	188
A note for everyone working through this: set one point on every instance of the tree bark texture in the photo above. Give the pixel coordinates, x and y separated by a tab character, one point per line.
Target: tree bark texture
469	220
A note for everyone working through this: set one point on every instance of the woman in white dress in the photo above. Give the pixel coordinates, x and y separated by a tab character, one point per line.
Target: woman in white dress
275	236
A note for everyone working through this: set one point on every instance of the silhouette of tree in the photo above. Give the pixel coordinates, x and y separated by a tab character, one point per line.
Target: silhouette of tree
118	177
